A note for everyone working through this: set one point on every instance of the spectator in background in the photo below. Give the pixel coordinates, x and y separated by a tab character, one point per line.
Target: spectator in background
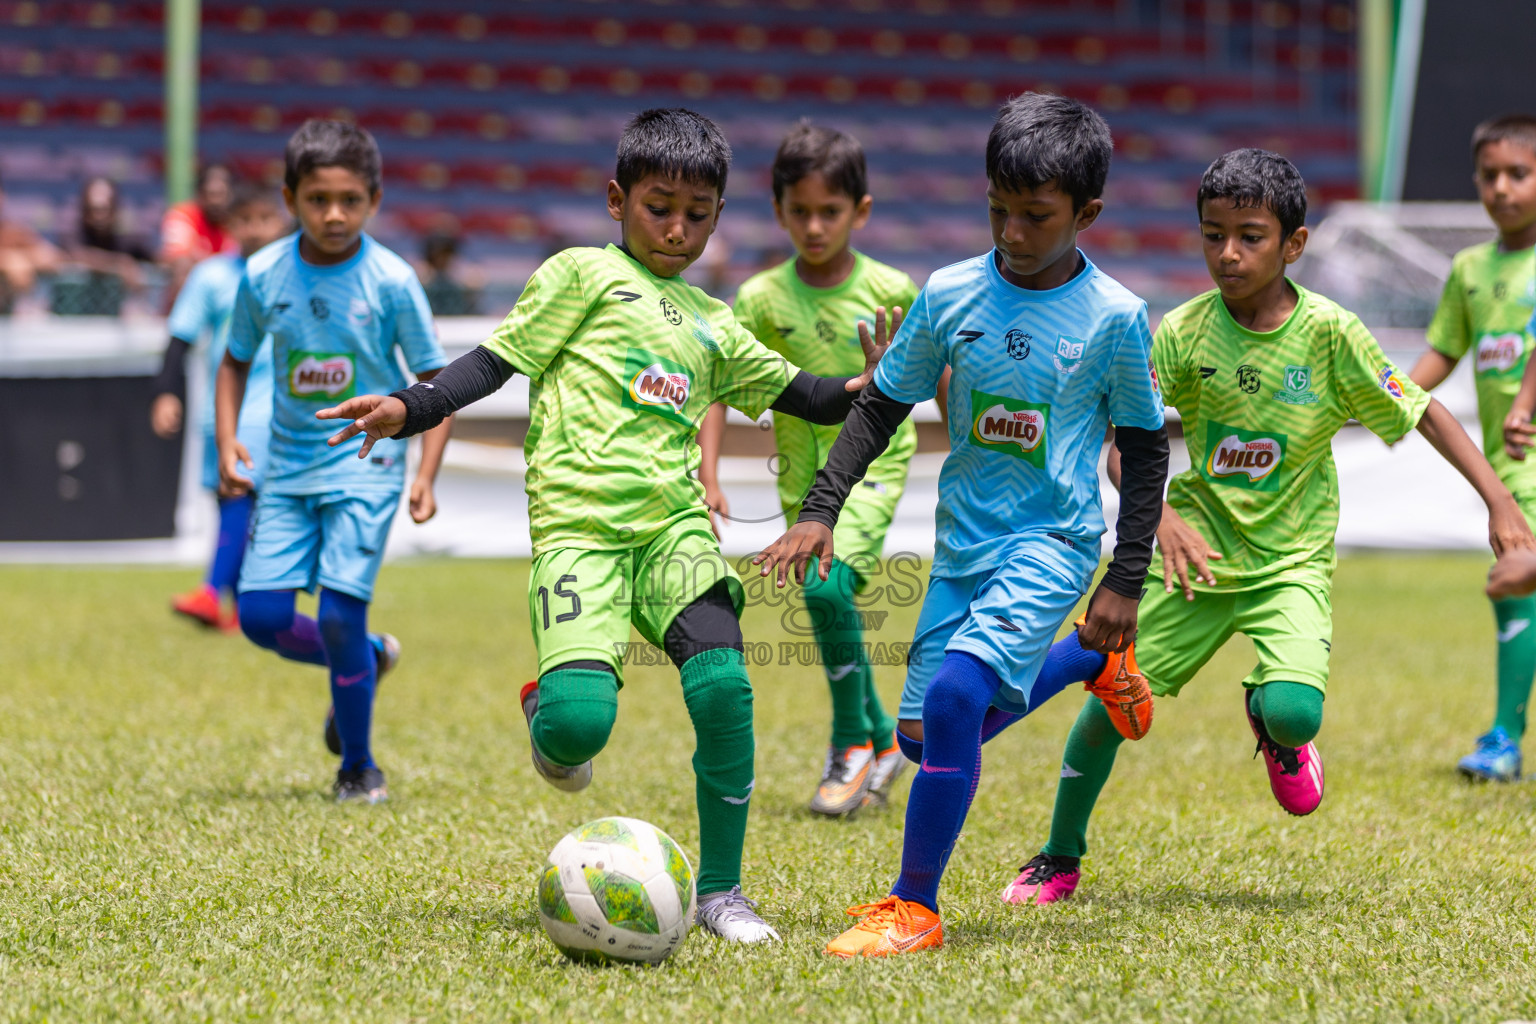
111	259
24	254
194	229
446	293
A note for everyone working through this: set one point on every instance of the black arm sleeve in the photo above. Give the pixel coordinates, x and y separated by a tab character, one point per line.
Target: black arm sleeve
467	379
172	378
868	430
824	400
1143	471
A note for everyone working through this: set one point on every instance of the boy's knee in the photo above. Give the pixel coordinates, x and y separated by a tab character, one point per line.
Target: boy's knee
909	737
577	708
264	614
715	686
1292	712
952	696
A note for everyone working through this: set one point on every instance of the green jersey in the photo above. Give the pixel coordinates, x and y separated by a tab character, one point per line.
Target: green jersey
1486	307
1260	412
624	365
817	329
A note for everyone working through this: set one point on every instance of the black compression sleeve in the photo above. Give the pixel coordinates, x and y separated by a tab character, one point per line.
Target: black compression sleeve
824	400
467	379
868	430
1143	471
172	378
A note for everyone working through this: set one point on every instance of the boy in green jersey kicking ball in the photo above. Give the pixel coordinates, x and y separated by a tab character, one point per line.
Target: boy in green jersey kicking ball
806	308
624	358
1264	374
1486	308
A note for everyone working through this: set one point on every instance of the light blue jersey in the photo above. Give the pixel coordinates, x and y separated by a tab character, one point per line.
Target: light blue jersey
334	332
202	310
1037	377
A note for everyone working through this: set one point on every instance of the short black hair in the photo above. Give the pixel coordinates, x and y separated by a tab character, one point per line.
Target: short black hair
816	149
1517	128
324	143
1257	178
251	193
674	142
1039	137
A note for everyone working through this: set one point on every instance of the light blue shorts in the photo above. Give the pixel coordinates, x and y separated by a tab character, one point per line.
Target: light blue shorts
256	440
1008	617
334	539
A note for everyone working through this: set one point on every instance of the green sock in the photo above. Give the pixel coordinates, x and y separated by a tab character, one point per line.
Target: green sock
857	715
577	707
1517	661
1085	767
1292	713
719	699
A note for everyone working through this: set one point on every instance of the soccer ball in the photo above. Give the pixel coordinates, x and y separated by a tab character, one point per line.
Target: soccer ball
617	889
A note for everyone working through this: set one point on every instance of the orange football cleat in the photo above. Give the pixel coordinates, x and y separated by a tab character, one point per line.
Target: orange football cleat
200	605
891	926
1123	691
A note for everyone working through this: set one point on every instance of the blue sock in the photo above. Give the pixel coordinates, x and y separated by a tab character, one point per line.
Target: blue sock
953	711
354	673
234	531
267	617
1067	662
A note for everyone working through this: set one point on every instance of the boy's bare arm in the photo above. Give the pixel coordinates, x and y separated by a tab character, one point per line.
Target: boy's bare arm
1431	369
1507	528
228	396
711	431
1518	429
433	443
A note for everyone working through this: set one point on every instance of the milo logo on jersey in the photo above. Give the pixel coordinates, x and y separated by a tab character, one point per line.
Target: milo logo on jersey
1243	458
328	375
657	385
1010	425
1500	353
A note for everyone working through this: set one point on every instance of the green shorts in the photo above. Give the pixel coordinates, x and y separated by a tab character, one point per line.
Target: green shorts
582	602
1290	624
859	536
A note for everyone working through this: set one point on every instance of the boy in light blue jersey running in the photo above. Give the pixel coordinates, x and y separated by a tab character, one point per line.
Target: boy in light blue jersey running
202	310
337	305
1046	352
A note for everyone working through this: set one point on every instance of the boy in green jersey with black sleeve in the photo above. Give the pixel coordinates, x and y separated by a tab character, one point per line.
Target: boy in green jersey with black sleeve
1486	309
624	358
1264	373
806	308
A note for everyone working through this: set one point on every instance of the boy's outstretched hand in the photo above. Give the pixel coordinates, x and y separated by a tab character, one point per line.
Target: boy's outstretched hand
1110	624
791	551
377	416
1513	575
874	348
1184	551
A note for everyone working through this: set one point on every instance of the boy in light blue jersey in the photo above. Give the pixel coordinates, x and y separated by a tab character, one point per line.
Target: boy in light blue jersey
337	305
202	310
1046	352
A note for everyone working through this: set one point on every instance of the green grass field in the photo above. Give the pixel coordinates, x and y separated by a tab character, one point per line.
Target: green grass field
169	851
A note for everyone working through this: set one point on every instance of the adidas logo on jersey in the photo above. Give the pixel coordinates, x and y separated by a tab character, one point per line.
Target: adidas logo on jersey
323	374
654	385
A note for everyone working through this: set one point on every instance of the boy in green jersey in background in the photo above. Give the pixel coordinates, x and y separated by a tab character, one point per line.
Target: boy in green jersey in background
1264	373
806	308
1486	309
624	357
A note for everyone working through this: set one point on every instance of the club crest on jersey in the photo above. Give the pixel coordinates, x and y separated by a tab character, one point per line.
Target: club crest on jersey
1069	353
1296	387
1010	425
1387	378
321	375
1499	353
703	334
656	385
1243	458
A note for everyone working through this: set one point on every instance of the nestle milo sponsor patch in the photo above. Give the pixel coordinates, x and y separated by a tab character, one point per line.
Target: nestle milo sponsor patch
657	385
321	375
1010	425
1243	458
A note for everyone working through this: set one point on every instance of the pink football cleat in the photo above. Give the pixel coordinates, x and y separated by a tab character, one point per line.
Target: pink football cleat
1295	773
1046	879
